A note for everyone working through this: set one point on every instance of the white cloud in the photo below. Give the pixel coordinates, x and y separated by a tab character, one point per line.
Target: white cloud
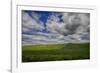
77	23
29	23
75	26
42	38
54	26
74	23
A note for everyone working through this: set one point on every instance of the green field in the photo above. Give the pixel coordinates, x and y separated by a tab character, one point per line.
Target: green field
55	52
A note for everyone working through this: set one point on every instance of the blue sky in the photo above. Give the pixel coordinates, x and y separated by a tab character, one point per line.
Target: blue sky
43	16
54	26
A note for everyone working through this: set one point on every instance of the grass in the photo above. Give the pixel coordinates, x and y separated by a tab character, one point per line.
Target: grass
55	52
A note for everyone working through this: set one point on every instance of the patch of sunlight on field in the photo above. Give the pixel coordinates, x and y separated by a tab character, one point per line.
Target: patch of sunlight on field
43	47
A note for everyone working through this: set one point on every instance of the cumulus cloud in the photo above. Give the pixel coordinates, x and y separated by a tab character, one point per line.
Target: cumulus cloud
53	25
40	38
74	24
75	27
29	23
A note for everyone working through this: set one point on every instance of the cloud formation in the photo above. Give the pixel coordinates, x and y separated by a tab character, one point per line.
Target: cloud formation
74	23
60	27
29	23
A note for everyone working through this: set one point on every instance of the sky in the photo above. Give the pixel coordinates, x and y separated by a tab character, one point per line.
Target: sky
45	27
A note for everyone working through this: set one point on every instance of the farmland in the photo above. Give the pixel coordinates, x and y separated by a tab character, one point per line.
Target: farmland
55	52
